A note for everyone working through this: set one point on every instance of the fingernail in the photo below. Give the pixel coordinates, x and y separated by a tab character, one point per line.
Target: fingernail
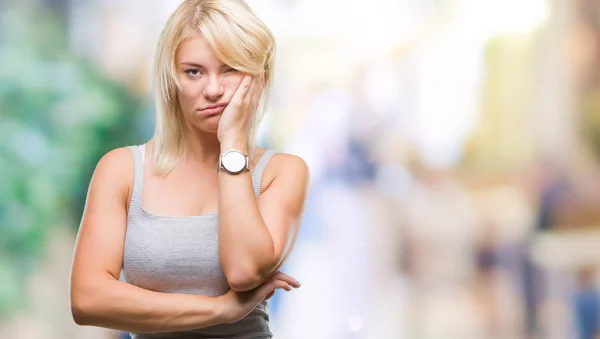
297	282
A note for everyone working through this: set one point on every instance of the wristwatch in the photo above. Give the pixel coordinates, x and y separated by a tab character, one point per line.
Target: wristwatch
233	161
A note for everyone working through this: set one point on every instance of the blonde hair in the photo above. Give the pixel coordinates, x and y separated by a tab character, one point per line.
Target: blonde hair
237	37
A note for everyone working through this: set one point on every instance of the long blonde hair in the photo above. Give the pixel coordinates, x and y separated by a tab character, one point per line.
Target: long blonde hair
239	40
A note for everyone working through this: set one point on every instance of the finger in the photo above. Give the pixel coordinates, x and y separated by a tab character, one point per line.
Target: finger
286	278
242	89
284	286
251	93
270	287
280	284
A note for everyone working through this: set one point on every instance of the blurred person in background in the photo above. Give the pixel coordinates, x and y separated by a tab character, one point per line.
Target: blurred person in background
184	236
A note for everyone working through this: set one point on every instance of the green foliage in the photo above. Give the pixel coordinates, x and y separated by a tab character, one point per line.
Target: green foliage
58	116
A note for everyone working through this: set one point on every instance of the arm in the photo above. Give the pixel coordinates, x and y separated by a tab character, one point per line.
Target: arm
257	235
97	297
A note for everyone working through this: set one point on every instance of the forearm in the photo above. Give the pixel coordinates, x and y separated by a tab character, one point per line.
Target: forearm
245	244
122	306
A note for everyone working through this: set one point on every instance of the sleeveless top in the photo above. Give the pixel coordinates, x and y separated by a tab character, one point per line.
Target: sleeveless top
180	254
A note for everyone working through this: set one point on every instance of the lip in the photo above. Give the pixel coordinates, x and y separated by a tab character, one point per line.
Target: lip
214	109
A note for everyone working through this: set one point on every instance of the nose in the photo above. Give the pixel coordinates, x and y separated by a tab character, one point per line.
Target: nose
214	88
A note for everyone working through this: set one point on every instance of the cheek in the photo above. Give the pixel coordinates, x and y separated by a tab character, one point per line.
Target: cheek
189	92
190	88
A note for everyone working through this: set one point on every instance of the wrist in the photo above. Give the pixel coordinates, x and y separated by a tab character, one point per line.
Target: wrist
237	143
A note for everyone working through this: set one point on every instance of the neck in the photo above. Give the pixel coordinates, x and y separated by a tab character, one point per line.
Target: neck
202	146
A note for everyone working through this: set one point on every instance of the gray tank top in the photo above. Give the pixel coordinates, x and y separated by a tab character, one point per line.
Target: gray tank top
181	255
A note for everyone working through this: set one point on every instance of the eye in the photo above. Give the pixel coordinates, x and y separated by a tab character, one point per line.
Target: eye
230	70
192	72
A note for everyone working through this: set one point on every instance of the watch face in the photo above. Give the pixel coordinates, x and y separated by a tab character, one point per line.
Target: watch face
234	161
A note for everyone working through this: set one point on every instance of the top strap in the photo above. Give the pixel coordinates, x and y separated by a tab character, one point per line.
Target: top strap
135	204
259	169
142	149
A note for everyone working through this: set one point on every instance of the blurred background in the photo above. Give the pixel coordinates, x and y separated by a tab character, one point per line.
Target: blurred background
454	147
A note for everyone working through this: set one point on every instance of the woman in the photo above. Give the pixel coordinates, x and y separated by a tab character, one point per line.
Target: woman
152	255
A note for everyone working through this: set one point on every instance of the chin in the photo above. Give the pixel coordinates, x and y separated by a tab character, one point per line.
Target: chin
203	123
209	125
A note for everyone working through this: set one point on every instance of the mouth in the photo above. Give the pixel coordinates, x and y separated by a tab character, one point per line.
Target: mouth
214	109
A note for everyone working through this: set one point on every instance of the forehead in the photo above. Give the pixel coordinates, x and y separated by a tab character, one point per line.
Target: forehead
196	49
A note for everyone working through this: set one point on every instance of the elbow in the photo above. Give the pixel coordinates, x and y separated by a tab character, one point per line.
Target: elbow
82	308
80	318
241	281
80	312
246	277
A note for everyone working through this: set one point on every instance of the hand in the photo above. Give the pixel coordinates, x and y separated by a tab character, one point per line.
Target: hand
239	112
237	305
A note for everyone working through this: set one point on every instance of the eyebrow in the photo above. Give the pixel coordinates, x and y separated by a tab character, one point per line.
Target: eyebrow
192	64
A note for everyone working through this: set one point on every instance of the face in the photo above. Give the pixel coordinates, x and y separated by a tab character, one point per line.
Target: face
207	85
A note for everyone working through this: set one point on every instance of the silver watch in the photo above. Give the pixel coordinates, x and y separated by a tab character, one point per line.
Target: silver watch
233	161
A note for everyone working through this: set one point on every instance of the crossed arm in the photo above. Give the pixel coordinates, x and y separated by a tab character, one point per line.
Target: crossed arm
257	235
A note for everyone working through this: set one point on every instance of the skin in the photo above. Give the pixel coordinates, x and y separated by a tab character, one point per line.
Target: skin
255	235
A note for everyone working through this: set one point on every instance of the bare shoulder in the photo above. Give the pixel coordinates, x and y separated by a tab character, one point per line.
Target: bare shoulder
116	161
289	162
286	165
115	168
